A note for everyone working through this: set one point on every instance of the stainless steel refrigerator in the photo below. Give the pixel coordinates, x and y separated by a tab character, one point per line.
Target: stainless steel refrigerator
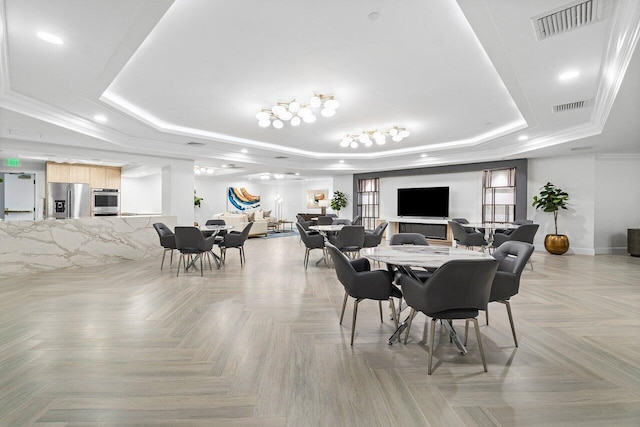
68	200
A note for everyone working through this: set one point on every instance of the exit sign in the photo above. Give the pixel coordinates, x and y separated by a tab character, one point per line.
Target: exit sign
12	162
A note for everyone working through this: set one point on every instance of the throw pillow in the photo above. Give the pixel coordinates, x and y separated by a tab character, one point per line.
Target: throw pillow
266	214
251	217
259	215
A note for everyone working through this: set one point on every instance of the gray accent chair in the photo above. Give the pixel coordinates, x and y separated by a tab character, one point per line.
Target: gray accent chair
361	283
325	220
524	233
516	222
457	290
464	221
235	239
349	240
340	221
311	241
167	240
373	238
512	258
412	239
190	242
303	223
465	238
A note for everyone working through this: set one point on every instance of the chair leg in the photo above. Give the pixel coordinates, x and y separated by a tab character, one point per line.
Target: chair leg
513	328
475	325
179	261
201	269
394	315
163	255
380	307
411	316
353	323
486	315
433	334
306	258
466	331
171	259
530	263
344	305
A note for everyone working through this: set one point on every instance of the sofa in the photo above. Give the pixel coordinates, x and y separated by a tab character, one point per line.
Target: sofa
239	220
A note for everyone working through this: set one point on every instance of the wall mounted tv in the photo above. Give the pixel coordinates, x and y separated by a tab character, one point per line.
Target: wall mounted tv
428	202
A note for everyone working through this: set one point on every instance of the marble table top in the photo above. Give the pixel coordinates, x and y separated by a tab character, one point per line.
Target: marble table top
332	227
420	256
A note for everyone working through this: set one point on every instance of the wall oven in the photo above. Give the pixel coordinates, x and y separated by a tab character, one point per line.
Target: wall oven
105	202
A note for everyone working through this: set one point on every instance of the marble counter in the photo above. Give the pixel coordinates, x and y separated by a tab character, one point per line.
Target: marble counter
35	246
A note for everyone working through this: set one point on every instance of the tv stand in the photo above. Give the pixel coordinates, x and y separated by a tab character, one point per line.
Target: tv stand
436	230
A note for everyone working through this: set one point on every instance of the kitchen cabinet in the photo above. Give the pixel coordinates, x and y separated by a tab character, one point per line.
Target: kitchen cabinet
80	174
94	175
57	172
98	177
112	177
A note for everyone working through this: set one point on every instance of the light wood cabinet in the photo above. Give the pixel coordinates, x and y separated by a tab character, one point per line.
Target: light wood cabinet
112	177
98	177
80	174
57	172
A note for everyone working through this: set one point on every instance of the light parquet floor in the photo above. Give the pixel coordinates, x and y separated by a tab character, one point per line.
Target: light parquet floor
260	345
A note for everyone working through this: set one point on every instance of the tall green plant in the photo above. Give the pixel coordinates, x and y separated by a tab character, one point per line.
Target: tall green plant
551	199
338	201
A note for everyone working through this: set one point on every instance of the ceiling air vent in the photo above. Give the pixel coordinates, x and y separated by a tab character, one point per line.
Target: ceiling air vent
281	157
566	18
195	144
572	106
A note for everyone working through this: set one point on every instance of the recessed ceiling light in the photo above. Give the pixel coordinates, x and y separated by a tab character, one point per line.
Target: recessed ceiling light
297	174
100	118
423	155
523	138
224	166
49	38
244	151
568	75
340	161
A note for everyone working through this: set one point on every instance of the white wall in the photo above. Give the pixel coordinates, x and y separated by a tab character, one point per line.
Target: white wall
576	176
617	201
177	191
294	193
465	193
141	195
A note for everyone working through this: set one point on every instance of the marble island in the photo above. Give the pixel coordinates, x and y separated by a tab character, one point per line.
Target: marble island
35	246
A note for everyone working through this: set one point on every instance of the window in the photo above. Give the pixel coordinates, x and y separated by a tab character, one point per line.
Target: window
369	201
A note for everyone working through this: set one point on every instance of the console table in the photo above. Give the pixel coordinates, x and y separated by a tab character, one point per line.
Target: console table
436	231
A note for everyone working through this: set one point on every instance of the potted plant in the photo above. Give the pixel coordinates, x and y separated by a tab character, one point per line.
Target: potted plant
196	199
338	201
552	199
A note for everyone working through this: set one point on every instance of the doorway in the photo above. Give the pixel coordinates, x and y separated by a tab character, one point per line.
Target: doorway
18	191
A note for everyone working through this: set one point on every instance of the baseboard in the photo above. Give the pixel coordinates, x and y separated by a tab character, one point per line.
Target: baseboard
619	250
571	251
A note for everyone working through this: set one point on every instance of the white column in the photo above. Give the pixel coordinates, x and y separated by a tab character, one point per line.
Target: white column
178	184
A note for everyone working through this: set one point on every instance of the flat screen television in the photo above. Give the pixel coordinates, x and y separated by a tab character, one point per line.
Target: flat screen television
428	202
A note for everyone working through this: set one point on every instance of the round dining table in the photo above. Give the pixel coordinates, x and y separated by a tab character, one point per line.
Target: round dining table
431	257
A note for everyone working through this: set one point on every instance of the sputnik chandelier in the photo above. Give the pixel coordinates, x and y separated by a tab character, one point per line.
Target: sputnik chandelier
295	112
368	137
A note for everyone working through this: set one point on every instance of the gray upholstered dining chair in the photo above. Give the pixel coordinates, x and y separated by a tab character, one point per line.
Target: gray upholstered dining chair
349	239
167	240
190	242
220	234
341	221
310	241
512	257
457	290
417	239
235	239
373	238
510	230
467	239
361	283
524	233
356	220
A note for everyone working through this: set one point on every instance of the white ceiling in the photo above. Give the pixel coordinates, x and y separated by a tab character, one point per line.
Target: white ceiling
467	79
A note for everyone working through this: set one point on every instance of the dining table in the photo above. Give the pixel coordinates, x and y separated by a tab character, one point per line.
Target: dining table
490	228
209	231
404	257
324	230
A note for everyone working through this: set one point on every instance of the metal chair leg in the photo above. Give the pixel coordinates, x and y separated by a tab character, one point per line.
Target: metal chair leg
513	328
411	316
306	258
163	255
201	269
466	331
395	315
380	307
433	334
171	259
486	315
353	323
179	261
475	325
344	305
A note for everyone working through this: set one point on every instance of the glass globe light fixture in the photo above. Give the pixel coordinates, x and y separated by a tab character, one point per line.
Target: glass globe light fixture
197	171
380	139
326	112
393	131
264	123
278	124
278	110
263	115
295	121
331	104
353	144
286	115
210	171
315	101
309	118
294	106
397	138
345	141
304	111
368	143
404	133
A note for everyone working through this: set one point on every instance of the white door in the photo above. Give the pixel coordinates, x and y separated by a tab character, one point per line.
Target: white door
19	196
